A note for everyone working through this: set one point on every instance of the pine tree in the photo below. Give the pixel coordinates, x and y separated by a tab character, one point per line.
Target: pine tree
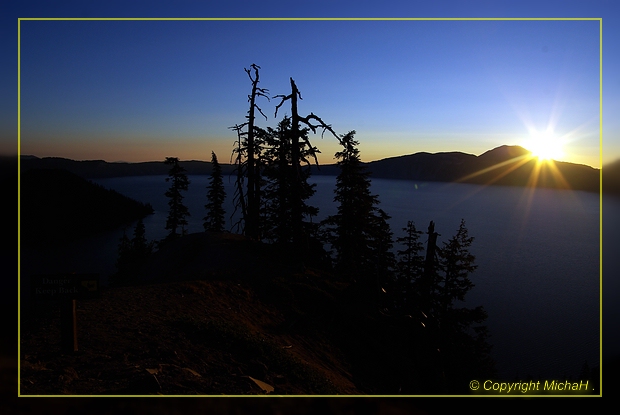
178	211
461	332
359	232
276	222
140	245
456	263
214	220
410	260
409	269
131	254
301	151
277	217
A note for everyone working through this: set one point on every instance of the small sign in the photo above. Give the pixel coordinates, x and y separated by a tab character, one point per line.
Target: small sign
64	287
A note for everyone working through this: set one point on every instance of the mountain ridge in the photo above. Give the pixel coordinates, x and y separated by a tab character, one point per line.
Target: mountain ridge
503	165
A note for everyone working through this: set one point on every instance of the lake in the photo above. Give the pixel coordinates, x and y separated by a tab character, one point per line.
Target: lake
537	253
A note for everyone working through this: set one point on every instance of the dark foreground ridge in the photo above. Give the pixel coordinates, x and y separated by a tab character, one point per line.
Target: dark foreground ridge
195	321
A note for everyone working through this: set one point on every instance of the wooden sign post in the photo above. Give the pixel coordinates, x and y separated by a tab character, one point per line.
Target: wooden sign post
65	288
68	326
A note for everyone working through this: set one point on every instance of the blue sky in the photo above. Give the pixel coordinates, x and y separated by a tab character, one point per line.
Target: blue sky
145	90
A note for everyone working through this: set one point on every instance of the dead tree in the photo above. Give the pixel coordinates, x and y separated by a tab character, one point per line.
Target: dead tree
238	153
253	170
296	159
249	168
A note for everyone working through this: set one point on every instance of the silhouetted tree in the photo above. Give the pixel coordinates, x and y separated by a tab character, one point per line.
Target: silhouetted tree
247	153
410	260
383	259
140	245
178	211
280	181
443	277
239	153
456	263
359	232
131	255
214	220
297	155
276	222
409	268
427	286
459	331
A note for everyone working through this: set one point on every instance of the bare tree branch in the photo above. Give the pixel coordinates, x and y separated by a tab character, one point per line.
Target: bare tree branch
240	169
260	110
284	98
327	127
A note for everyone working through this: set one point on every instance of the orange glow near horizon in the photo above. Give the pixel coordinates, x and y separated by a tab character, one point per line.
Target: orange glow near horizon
143	149
132	151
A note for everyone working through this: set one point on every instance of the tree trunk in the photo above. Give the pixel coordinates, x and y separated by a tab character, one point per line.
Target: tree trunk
295	171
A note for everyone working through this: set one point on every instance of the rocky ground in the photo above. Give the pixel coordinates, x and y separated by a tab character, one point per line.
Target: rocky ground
185	338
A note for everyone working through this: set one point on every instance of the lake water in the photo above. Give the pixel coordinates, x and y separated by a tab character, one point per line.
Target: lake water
537	254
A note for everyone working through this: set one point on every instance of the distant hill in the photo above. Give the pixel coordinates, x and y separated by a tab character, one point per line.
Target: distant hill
58	206
97	169
504	165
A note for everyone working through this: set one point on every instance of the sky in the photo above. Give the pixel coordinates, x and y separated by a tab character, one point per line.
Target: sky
145	90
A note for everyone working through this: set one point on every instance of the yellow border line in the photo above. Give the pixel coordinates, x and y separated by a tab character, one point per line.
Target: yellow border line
600	20
601	206
524	395
313	18
19	221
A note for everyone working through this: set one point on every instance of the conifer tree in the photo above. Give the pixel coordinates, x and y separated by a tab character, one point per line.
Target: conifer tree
280	180
359	232
131	254
276	222
214	220
457	263
177	216
443	278
410	260
462	335
383	259
409	268
140	245
301	151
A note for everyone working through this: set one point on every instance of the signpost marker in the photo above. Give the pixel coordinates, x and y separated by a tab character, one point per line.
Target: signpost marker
65	288
68	326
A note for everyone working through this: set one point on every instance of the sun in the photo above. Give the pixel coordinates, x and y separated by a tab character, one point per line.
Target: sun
545	146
